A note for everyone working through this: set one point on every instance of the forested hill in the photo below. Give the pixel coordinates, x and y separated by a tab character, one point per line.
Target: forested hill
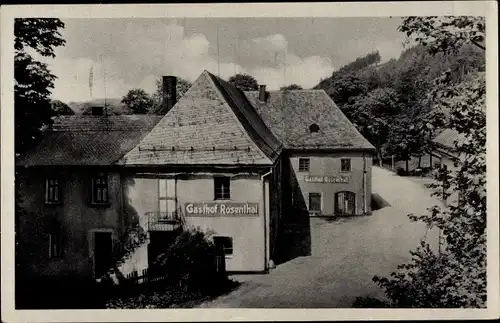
385	100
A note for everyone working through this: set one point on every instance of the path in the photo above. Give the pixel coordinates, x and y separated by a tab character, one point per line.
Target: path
345	254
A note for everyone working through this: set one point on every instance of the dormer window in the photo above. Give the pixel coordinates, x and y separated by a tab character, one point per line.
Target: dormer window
313	128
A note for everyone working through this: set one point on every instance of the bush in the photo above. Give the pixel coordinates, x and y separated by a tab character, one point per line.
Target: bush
191	262
369	302
401	171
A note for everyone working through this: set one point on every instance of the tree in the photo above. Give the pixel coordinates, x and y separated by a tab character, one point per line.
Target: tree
455	275
373	115
33	80
291	87
138	101
61	108
446	33
181	88
244	82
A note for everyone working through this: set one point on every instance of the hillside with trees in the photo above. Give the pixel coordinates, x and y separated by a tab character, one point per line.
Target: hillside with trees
454	98
387	102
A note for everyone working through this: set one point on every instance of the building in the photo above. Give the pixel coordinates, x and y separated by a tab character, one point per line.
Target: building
233	163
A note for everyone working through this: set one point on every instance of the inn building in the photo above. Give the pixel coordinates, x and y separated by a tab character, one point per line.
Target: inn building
232	163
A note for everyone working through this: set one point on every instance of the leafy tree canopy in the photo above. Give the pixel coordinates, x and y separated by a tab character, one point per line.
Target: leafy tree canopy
244	82
61	108
138	101
455	275
291	87
33	80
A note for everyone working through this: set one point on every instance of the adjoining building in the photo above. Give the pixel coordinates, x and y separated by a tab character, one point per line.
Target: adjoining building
230	162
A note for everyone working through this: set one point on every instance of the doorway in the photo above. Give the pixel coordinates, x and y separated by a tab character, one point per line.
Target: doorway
103	253
345	203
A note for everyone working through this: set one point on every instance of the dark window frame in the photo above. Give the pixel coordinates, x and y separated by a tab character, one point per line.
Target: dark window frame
100	182
56	246
348	196
222	188
302	167
313	128
342	169
226	243
317	194
53	190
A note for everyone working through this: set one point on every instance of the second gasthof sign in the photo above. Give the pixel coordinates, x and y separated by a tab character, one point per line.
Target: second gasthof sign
222	209
326	179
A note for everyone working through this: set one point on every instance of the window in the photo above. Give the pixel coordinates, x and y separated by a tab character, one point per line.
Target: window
345	165
314	128
52	191
315	202
55	245
222	188
166	198
304	164
100	189
224	243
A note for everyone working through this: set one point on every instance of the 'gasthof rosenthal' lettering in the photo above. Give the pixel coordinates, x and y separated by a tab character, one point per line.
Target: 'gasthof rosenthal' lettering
326	179
221	209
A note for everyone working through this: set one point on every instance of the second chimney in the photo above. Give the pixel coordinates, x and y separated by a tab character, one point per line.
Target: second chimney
262	93
169	90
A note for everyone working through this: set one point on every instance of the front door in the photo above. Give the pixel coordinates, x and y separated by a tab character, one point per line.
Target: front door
103	249
345	203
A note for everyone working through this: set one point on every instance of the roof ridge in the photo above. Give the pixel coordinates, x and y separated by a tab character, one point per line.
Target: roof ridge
240	125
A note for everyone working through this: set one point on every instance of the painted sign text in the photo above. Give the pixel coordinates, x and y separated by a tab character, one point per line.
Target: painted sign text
326	179
221	209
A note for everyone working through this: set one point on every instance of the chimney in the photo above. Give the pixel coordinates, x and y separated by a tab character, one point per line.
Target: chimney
169	93
97	111
262	93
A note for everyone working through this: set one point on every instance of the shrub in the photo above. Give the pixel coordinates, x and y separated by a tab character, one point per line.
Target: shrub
369	302
191	262
401	172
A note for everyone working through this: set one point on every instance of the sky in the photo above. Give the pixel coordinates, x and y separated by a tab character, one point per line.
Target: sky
126	53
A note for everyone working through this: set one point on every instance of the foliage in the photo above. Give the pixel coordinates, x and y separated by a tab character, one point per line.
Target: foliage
181	87
362	62
191	261
123	249
291	87
61	108
138	101
409	78
244	82
455	275
446	34
33	81
374	114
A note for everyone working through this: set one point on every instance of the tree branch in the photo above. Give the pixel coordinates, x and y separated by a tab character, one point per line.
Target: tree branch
478	45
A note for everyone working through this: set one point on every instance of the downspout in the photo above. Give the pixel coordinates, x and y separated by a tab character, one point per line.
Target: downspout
364	185
265	212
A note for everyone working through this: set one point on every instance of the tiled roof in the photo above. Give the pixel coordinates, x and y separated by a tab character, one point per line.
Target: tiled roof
88	140
289	114
212	124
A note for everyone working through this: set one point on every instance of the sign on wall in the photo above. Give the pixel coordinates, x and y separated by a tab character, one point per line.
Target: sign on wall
326	179
221	209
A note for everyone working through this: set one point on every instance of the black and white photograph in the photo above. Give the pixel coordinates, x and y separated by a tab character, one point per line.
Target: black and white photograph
216	159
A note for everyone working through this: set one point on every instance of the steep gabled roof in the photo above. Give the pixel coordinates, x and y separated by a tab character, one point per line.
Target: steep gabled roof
289	114
88	140
212	124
